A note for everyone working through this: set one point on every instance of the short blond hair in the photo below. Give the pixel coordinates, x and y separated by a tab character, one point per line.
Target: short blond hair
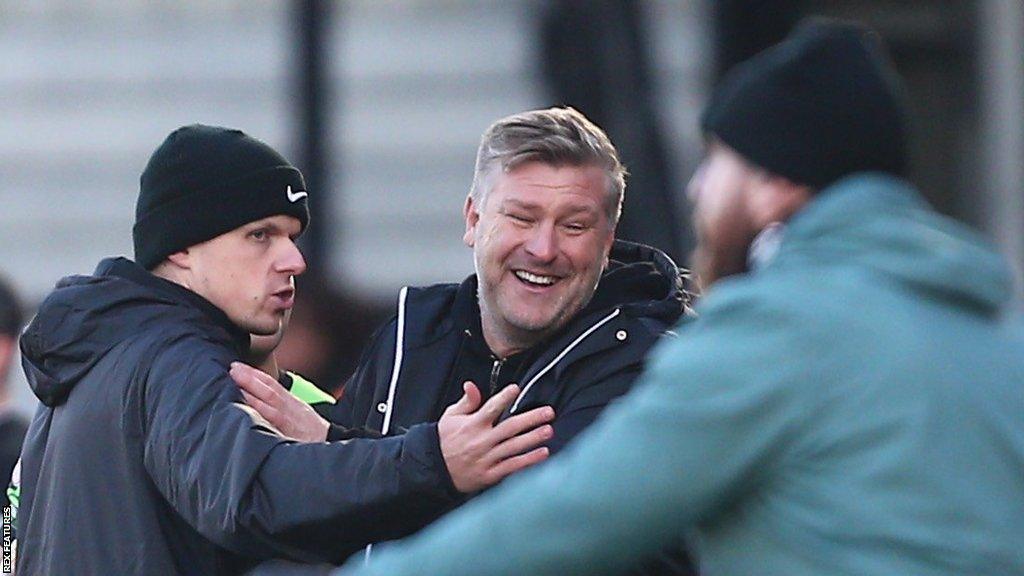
555	136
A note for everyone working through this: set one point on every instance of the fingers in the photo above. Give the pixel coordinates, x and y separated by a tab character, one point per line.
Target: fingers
497	404
265	414
258	405
243	370
519	444
478	452
517	463
522	422
257	389
469	402
254	382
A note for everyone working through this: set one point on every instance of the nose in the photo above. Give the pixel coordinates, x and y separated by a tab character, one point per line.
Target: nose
543	242
291	260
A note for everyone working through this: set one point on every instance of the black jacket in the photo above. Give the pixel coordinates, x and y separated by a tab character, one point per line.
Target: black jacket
142	459
579	371
592	361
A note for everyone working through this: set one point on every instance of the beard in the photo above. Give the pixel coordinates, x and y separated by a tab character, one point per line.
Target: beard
711	263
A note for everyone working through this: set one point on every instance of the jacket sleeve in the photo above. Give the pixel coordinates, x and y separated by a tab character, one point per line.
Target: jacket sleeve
251	491
710	420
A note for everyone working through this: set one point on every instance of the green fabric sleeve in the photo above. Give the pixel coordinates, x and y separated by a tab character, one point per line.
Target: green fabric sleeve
308	392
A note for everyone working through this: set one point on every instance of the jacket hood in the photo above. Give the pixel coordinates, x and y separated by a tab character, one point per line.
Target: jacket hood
881	222
87	316
644	280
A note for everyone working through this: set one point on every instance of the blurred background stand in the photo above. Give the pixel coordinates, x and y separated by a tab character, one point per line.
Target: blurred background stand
596	58
382	104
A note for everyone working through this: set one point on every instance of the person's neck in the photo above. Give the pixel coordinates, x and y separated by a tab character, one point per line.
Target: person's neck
508	342
268	365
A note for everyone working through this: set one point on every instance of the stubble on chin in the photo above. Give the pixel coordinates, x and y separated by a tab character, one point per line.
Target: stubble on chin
711	267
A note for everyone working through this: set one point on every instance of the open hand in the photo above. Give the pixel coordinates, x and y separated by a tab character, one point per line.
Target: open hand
293	417
479	453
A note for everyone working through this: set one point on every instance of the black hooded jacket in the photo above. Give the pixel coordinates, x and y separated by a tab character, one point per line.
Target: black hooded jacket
142	458
416	364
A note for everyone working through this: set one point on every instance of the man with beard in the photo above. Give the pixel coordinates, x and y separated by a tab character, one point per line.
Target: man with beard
849	399
557	304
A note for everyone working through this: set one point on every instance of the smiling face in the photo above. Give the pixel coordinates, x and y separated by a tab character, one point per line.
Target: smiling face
540	242
249	272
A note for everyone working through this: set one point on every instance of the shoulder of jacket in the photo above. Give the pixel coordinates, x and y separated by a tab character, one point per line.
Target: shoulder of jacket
182	349
426	313
427	300
622	322
613	337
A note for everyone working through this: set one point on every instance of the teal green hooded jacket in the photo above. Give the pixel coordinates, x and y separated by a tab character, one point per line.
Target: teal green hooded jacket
855	407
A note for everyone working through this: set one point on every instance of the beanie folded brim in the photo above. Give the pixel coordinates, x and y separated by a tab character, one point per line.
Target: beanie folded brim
206	213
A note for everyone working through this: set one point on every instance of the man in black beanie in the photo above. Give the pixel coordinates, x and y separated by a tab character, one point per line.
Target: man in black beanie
848	400
143	459
804	114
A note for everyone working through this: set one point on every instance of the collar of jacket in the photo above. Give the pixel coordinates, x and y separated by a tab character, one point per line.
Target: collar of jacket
129	270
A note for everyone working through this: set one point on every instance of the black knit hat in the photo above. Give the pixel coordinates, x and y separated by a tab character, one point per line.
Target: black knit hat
822	104
204	181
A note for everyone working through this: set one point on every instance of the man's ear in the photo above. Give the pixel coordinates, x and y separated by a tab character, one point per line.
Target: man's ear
776	198
181	259
472	215
609	241
176	267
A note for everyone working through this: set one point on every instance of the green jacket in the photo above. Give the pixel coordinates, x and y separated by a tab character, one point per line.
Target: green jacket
854	407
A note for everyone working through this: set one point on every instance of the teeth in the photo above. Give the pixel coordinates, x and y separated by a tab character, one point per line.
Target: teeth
535	279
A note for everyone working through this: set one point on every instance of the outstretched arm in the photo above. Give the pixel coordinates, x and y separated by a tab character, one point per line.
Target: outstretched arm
251	491
701	427
476	452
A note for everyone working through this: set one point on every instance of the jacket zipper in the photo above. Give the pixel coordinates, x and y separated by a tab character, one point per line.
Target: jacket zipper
495	369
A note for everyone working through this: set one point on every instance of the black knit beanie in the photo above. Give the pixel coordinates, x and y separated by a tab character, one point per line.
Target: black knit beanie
822	104
204	181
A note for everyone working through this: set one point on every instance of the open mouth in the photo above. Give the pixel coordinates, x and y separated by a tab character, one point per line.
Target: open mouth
537	280
286	297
